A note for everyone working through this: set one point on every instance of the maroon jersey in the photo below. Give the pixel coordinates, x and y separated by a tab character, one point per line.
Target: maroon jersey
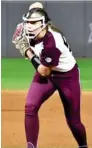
53	50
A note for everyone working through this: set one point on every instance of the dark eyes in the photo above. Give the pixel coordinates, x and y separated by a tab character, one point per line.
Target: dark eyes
32	22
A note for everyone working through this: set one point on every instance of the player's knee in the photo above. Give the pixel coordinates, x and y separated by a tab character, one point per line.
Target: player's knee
31	109
67	94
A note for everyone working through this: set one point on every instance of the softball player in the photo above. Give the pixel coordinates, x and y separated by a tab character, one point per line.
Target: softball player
56	69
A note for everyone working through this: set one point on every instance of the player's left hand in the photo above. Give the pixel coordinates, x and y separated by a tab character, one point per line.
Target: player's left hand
19	40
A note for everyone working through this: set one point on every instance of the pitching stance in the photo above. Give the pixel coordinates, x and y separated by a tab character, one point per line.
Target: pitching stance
56	69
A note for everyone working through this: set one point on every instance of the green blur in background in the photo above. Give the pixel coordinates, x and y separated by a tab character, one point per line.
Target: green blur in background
17	74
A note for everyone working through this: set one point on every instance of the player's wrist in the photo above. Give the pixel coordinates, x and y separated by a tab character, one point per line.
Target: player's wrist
29	54
35	61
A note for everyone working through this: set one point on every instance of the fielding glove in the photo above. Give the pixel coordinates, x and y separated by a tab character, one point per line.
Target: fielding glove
19	40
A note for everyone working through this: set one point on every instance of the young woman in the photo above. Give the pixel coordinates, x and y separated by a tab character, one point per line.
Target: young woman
56	69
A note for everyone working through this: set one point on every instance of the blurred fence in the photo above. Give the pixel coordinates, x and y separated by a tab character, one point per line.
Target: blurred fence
73	18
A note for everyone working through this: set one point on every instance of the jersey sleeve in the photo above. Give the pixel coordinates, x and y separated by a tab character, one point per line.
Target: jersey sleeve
50	57
50	54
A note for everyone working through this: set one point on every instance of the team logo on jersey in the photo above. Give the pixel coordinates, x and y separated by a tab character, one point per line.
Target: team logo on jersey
48	59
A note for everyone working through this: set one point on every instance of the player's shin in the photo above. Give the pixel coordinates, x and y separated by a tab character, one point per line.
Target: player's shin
31	126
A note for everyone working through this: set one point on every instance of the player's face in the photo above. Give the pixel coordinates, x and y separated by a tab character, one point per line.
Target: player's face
32	28
33	25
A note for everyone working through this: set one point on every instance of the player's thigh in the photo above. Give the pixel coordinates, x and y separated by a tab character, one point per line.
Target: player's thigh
70	96
39	92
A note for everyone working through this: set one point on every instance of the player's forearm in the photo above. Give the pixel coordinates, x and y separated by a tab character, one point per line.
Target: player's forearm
43	70
29	54
34	60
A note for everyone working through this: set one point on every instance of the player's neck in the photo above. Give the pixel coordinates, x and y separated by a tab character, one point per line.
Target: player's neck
41	34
